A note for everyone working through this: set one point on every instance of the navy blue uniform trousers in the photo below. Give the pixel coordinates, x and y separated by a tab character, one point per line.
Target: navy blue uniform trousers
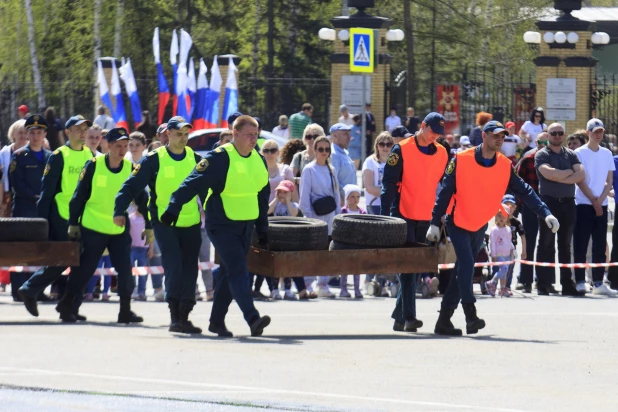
232	244
180	250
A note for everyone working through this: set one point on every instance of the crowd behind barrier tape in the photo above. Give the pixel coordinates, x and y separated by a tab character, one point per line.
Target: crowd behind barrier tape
137	271
529	262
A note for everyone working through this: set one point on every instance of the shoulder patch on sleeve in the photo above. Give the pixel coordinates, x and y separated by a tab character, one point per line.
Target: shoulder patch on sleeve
451	167
202	165
82	174
393	159
152	153
136	169
47	169
515	171
12	166
218	149
57	151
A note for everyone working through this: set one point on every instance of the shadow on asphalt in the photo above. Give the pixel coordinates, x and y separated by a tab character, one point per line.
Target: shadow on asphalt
75	325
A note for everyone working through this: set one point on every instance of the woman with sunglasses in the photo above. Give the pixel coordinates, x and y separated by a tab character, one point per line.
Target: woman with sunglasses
302	159
277	172
531	129
373	171
319	198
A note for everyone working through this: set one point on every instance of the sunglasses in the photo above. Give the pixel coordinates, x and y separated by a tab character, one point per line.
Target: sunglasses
311	136
544	142
554	134
382	144
324	149
271	151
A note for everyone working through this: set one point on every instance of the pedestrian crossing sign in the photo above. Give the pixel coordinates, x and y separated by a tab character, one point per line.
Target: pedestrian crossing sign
361	50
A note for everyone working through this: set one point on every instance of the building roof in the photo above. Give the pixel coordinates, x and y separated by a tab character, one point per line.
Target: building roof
594	14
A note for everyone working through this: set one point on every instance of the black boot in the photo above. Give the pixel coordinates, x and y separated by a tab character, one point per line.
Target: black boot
65	309
444	326
126	315
473	323
29	303
412	325
175	325
220	330
258	325
187	326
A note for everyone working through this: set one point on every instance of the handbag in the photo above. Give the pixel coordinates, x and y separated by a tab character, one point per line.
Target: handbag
327	204
446	251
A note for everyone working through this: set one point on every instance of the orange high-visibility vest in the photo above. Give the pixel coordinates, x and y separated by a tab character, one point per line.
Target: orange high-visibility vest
421	175
478	189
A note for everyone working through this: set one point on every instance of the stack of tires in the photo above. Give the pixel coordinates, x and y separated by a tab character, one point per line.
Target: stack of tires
368	232
288	234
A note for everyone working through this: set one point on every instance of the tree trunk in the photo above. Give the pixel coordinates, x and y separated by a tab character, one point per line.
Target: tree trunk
34	57
270	53
97	46
409	33
433	57
119	23
256	38
292	31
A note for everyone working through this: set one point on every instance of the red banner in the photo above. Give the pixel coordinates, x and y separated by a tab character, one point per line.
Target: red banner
524	102
448	106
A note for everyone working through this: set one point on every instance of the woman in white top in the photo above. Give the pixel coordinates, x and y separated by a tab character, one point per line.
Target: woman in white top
18	139
302	159
373	171
317	182
277	172
531	129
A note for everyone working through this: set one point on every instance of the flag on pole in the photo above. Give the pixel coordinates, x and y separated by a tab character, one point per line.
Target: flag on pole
199	113
191	89
173	61
230	104
212	101
103	89
182	77
120	117
164	91
126	74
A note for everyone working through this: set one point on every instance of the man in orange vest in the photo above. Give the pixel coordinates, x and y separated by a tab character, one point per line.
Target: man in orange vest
476	179
411	177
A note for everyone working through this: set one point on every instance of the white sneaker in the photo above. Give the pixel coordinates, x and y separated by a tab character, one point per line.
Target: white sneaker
433	286
324	292
581	288
289	295
394	289
159	295
604	290
275	294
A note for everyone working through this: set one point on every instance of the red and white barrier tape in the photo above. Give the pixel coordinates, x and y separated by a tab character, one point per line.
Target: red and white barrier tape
529	262
137	271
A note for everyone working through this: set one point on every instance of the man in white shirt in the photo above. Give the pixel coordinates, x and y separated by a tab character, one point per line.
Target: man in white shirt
591	201
345	118
103	120
392	121
282	130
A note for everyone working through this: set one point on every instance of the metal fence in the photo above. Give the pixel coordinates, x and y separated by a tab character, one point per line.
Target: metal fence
604	102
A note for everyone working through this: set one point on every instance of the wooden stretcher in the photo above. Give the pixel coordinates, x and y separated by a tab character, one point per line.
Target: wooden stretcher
39	253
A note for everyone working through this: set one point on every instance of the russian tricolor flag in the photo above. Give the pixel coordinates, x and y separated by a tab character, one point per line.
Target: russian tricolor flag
173	61
164	91
126	74
182	78
120	117
103	89
191	89
231	94
199	113
212	101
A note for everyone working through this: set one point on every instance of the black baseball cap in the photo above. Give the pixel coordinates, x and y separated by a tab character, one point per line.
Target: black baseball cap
115	134
35	121
77	120
177	123
232	118
436	122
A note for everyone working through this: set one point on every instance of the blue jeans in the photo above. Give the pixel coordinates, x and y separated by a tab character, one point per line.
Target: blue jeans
139	257
467	245
104	262
589	224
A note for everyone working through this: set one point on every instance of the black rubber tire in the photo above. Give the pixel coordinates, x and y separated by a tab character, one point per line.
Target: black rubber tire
23	229
370	230
287	234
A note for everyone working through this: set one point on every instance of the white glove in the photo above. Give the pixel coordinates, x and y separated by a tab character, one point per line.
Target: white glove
433	234
552	223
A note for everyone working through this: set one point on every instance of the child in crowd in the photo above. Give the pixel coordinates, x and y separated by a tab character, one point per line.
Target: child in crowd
282	204
352	197
516	229
140	253
500	250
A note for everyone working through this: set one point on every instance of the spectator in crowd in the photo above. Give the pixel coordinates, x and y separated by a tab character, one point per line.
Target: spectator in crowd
373	171
444	143
146	127
516	229
282	129
319	196
343	164
103	120
356	141
277	172
591	200
346	117
476	134
412	121
302	159
559	170
352	197
577	139
500	249
140	252
299	121
612	271
526	170
18	138
103	144
392	121
370	128
399	134
154	146
530	130
204	257
225	136
23	112
94	139
511	142
464	142
163	134
137	145
289	150
55	137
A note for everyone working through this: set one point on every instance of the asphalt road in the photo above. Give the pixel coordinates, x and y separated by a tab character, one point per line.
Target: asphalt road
540	354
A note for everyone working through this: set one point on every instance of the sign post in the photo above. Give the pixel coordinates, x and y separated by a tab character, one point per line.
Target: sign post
362	61
561	99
